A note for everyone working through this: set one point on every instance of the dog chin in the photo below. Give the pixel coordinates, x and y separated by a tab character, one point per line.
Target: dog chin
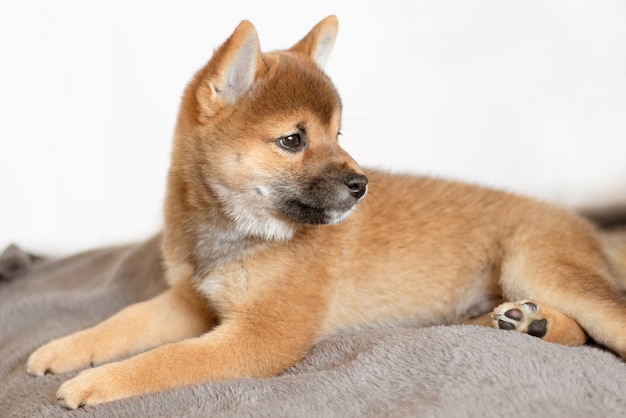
337	217
301	213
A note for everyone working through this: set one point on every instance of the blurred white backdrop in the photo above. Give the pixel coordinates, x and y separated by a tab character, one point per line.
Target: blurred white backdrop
525	96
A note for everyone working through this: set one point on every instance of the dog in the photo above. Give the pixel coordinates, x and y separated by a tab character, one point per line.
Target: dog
274	238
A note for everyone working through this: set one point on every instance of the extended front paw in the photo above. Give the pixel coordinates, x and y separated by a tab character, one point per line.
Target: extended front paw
59	356
92	386
522	316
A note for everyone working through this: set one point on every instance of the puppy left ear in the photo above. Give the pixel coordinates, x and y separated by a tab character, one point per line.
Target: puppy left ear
318	43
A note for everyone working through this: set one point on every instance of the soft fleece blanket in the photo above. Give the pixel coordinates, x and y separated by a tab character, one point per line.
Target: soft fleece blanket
445	371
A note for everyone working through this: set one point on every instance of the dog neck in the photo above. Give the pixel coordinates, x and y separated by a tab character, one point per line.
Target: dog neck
205	226
220	242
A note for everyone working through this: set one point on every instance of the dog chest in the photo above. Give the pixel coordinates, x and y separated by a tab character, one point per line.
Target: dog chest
226	284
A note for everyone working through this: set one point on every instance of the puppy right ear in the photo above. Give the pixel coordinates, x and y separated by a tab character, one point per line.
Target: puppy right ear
231	71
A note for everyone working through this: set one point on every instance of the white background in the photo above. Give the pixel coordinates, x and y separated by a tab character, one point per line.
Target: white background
529	96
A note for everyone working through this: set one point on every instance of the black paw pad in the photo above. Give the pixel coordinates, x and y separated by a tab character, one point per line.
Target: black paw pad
515	314
538	328
505	325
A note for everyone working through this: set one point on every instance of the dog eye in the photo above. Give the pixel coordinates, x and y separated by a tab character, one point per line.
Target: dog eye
293	142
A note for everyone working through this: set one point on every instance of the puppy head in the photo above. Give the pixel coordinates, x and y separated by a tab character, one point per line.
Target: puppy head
257	135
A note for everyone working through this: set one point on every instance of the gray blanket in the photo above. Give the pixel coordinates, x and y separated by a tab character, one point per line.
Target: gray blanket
446	371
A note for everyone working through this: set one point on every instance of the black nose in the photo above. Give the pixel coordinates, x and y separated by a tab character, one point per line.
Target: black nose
357	184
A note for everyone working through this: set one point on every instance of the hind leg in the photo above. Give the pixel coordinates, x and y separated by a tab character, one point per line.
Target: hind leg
566	270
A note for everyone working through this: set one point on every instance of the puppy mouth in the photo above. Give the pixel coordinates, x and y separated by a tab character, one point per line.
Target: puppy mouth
302	212
322	200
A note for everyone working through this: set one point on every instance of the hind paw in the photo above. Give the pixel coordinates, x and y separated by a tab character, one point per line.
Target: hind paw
524	316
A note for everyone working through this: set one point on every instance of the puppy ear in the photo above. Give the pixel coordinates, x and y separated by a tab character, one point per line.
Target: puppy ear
231	71
318	43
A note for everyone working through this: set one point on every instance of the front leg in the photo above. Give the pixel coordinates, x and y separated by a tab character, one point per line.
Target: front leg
237	348
266	324
175	314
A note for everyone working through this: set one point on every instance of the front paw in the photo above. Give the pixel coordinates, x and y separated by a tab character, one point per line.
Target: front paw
59	356
91	387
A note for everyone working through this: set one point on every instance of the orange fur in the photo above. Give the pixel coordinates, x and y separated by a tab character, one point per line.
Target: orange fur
266	236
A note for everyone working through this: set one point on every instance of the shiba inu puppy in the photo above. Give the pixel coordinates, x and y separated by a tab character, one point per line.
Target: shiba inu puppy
275	238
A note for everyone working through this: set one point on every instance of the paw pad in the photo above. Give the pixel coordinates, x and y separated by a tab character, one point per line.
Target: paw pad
524	317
